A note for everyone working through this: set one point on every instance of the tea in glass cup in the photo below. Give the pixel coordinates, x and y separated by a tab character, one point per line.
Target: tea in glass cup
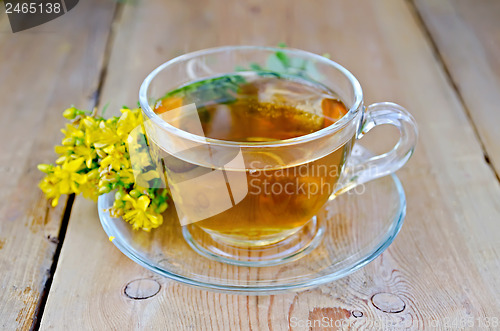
253	141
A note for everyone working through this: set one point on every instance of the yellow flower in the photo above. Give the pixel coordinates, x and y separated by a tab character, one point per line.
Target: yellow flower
64	150
73	136
126	176
63	180
90	189
88	123
144	178
116	157
87	153
141	159
139	215
72	131
130	119
103	135
95	158
106	179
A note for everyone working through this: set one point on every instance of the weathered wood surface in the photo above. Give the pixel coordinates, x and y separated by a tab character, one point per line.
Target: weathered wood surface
43	70
443	268
467	37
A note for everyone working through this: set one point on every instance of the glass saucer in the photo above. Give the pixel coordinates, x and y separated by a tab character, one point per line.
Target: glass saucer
358	226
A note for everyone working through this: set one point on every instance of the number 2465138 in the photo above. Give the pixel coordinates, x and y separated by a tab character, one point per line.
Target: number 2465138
33	8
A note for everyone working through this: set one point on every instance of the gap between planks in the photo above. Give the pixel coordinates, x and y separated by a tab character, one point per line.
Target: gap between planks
107	55
440	60
37	317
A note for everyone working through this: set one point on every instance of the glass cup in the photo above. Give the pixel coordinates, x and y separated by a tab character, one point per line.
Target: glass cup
254	203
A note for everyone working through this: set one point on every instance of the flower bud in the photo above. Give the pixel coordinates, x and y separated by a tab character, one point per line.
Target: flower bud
68	141
161	208
61	160
45	168
119	195
135	193
93	174
118	204
104	189
70	113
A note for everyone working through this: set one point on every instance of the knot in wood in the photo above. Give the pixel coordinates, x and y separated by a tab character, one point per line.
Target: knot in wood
357	313
388	302
141	289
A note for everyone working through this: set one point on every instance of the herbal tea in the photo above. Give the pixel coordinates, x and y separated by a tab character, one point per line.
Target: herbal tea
253	108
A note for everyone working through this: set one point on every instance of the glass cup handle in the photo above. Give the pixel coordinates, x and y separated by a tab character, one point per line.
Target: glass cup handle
381	165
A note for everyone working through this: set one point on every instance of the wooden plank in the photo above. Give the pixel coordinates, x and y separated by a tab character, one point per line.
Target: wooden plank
188	28
43	71
444	266
467	36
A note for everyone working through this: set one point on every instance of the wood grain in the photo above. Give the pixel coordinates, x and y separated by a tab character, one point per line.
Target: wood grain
180	27
43	71
442	268
467	36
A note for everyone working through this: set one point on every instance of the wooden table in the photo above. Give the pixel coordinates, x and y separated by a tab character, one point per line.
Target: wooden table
438	58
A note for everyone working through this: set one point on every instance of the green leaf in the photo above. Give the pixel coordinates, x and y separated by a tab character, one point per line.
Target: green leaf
220	89
283	59
274	64
103	111
256	67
